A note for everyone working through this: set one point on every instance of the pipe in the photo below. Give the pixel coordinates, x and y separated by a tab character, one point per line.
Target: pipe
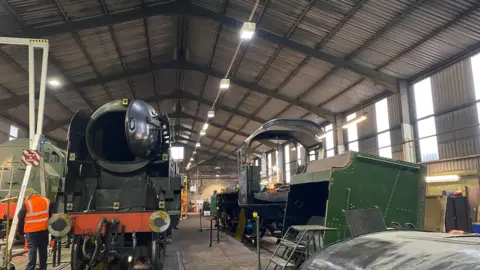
89	204
114	223
98	237
84	249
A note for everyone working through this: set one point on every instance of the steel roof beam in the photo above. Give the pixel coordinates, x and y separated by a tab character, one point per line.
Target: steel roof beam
55	125
213	124
189	9
181	128
208	71
188	96
212	54
189	142
27	31
23	125
203	152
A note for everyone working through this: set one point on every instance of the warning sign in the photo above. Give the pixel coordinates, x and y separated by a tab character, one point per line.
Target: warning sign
30	157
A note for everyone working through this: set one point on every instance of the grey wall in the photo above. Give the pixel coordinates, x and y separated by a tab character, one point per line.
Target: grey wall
456	119
367	129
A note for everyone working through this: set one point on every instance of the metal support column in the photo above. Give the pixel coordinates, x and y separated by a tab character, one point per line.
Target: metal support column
339	134
35	131
408	134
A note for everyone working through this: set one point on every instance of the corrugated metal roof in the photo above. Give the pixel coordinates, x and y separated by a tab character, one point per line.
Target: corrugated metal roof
37	12
255	58
361	31
81	9
286	61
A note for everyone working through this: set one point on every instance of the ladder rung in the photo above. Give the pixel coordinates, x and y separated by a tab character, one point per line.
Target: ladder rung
290	244
281	262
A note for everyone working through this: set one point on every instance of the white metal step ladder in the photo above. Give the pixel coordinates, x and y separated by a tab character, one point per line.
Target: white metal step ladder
298	243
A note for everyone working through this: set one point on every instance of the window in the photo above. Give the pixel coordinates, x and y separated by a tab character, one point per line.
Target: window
177	152
384	148
352	134
299	154
287	163
428	145
276	163
330	146
383	126
311	155
476	79
13	133
426	127
257	162
269	162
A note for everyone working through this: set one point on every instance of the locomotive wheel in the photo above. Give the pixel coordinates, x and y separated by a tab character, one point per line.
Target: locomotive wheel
158	255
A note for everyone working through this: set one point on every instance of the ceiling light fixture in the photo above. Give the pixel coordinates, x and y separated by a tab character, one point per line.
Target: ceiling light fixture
194	152
205	126
224	84
54	82
355	121
197	145
247	31
203	132
211	114
442	178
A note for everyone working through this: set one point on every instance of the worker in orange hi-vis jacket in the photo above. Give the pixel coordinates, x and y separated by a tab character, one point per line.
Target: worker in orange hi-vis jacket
33	219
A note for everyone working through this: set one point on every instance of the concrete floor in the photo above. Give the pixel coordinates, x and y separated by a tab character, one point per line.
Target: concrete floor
190	251
195	254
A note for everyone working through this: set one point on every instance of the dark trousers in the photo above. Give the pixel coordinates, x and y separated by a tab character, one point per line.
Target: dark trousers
37	241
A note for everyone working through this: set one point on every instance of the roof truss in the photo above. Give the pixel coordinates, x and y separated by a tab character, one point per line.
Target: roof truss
185	8
181	65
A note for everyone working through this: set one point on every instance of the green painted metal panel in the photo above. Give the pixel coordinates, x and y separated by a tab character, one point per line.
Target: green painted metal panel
396	187
213	205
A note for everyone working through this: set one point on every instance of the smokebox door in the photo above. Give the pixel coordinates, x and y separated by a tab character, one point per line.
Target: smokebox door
141	128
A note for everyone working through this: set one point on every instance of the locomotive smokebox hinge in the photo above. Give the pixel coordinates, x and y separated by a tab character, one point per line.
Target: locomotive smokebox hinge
161	204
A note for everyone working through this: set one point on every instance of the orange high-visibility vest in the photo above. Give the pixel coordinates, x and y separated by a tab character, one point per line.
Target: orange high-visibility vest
36	218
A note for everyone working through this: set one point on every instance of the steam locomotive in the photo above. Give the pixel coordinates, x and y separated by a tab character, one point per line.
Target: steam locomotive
120	196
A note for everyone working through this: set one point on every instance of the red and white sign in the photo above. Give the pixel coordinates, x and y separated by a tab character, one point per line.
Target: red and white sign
30	157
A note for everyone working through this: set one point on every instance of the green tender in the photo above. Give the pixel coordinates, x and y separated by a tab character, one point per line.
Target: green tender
396	187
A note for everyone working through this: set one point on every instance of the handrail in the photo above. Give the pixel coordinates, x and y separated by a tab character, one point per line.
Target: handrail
11	176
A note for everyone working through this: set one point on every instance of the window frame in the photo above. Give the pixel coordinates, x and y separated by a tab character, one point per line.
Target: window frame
15	130
329	141
352	134
286	149
426	127
382	122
